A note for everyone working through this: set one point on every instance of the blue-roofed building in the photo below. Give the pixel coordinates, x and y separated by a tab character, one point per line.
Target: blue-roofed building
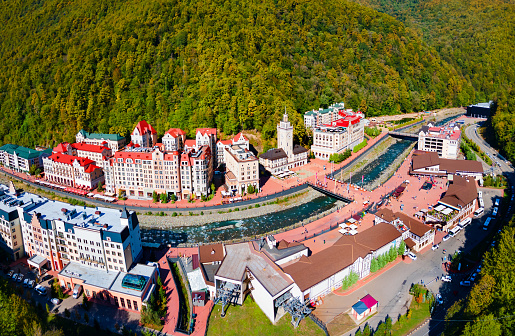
364	307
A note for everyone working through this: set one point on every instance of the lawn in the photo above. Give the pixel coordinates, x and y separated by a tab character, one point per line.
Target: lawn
250	320
419	312
341	325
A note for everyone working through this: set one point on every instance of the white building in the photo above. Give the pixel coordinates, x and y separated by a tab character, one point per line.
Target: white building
239	140
443	140
113	141
144	135
338	136
316	118
11	239
21	158
174	139
72	171
287	156
242	169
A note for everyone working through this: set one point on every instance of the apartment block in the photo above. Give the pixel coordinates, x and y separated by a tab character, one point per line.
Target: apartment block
317	118
11	239
174	139
242	169
72	171
338	136
239	140
96	153
113	141
443	140
20	158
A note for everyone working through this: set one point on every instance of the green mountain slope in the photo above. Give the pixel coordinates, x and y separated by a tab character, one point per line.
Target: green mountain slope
103	65
478	38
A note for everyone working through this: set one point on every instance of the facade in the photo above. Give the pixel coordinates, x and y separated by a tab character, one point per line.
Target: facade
287	156
323	272
338	136
109	183
72	171
443	140
21	158
113	141
144	135
174	139
248	270
239	140
93	152
242	169
430	164
317	118
415	234
141	171
11	239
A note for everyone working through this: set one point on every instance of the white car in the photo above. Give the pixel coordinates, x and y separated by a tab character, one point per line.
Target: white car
439	299
446	278
412	256
447	237
40	290
435	247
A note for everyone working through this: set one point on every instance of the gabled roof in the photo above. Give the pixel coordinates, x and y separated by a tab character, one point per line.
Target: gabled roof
211	253
62	147
190	143
91	168
369	301
415	226
297	149
461	192
360	307
240	137
204	131
425	159
224	142
23	152
175	132
274	154
143	127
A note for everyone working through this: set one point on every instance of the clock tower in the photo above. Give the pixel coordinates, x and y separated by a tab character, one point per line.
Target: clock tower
285	136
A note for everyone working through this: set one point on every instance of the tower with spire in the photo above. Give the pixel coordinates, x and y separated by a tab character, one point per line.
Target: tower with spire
285	136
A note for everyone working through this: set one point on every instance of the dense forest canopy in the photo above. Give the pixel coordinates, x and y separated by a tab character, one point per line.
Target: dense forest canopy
104	65
478	39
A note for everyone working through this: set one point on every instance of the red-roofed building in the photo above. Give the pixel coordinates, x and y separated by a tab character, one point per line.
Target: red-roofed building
144	134
92	152
443	140
239	139
339	135
72	171
206	137
63	148
174	139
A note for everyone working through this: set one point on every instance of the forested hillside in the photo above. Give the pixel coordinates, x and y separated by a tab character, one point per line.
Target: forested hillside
478	38
103	65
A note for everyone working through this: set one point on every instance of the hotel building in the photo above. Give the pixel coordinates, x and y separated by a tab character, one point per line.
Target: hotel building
242	169
113	141
21	158
443	140
72	171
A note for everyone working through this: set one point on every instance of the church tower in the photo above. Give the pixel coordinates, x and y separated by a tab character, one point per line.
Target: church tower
285	136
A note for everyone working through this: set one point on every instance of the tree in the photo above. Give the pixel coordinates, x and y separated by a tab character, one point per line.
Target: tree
100	186
483	325
85	302
164	198
155	197
402	248
34	170
212	188
374	265
86	318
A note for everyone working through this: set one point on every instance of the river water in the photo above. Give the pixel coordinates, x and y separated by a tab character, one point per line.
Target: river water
234	229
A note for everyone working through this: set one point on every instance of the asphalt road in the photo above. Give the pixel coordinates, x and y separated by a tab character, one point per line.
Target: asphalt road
436	326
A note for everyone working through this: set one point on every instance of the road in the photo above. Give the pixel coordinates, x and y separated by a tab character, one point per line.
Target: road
436	327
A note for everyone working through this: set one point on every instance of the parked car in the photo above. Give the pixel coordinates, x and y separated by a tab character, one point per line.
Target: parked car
32	284
10	274
447	237
46	277
446	278
41	290
20	277
439	299
435	247
14	277
412	256
465	283
26	282
55	301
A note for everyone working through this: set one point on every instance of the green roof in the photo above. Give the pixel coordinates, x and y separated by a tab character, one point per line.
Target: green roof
101	136
23	152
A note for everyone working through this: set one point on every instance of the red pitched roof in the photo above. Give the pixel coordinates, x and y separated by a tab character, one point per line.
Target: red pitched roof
143	126
69	159
240	135
190	143
61	148
210	131
175	132
88	148
225	142
91	168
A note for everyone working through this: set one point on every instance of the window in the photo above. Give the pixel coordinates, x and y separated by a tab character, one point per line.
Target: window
116	301
135	305
122	301
87	292
129	304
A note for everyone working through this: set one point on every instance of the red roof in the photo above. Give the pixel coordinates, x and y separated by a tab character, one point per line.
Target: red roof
348	120
369	301
69	159
225	142
89	148
238	137
91	168
190	143
175	132
210	131
143	126
61	148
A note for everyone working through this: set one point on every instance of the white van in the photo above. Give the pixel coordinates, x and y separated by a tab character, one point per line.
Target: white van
465	222
77	291
494	213
479	212
454	231
480	194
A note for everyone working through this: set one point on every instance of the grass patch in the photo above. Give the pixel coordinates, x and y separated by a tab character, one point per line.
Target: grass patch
184	307
419	312
341	325
250	320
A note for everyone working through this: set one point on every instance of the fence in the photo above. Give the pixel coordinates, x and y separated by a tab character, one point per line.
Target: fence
319	323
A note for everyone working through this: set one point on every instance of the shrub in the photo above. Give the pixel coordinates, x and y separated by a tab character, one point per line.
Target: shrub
360	146
67	313
174	214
